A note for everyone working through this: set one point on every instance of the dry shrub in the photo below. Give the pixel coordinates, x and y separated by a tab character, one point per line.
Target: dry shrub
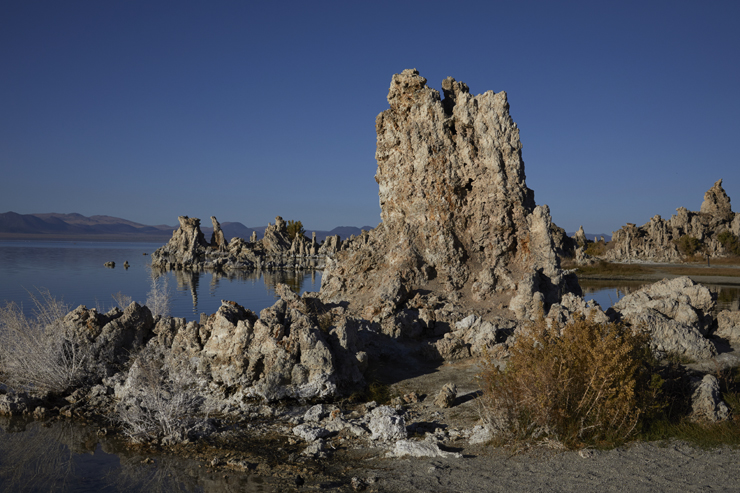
578	383
161	400
159	298
38	353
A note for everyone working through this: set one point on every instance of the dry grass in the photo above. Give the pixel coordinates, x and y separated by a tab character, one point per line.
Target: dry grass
582	383
38	354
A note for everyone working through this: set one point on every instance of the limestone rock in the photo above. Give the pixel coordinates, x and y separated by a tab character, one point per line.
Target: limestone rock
386	425
446	397
677	315
457	214
707	403
187	246
420	449
218	240
717	203
728	325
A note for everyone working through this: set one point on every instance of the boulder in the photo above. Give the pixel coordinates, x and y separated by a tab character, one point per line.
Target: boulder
676	313
707	403
424	448
385	425
446	397
728	325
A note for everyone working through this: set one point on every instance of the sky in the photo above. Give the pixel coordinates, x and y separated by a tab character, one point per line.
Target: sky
148	110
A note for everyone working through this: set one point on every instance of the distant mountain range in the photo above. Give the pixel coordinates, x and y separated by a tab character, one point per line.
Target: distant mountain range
53	226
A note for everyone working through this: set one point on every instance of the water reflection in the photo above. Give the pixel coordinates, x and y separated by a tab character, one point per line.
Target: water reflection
252	289
64	456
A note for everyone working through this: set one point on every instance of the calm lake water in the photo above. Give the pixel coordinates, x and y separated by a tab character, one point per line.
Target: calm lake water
74	272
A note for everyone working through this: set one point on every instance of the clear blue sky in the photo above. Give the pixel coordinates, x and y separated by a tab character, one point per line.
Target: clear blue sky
148	110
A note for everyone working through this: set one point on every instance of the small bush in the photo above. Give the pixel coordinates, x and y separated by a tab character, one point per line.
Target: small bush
122	300
162	400
38	353
729	242
598	248
579	383
295	228
159	298
688	245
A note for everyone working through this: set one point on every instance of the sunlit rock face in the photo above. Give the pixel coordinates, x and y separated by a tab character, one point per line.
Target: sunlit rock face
457	214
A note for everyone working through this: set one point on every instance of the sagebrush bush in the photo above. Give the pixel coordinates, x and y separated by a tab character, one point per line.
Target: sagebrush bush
38	353
580	383
161	401
159	298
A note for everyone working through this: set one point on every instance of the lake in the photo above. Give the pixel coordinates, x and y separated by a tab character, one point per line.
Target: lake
75	273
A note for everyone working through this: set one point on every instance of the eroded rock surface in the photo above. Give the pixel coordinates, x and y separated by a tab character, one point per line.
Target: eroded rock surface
677	315
457	214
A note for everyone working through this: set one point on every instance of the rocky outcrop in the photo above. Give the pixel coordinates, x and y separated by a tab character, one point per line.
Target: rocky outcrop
188	250
218	240
675	313
187	247
457	214
684	233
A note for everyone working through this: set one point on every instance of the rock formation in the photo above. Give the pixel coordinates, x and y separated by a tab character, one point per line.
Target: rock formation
677	315
188	249
457	214
660	240
218	240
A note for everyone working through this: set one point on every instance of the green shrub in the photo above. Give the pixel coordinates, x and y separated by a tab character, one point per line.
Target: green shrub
580	383
729	242
597	249
688	245
295	228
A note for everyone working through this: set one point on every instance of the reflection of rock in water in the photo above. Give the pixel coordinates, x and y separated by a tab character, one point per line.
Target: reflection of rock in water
64	456
728	297
294	279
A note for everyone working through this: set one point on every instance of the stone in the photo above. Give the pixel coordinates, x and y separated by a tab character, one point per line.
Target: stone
385	425
446	397
707	403
314	414
728	325
310	432
676	313
717	203
456	213
218	240
420	449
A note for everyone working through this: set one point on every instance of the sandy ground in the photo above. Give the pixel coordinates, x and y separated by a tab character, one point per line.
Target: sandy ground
668	467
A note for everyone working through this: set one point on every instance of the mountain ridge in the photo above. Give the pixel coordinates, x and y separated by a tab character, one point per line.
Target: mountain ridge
71	226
